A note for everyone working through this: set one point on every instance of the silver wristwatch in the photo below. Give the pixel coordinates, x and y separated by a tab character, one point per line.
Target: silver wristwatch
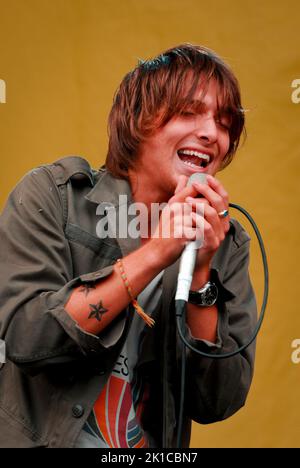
206	296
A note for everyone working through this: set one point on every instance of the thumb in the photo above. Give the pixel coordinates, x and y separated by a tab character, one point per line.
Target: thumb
182	181
182	190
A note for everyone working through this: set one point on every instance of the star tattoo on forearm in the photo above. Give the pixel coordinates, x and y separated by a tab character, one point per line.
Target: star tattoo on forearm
97	310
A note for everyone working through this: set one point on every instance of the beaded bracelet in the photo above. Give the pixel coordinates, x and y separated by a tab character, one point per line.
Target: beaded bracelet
134	302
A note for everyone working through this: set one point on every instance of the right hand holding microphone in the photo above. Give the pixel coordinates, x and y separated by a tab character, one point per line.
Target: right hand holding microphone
178	224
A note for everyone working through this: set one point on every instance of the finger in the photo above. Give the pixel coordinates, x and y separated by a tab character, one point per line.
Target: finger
215	221
208	235
185	232
213	197
211	216
190	233
211	241
198	222
197	206
194	202
181	195
202	206
219	188
216	185
220	225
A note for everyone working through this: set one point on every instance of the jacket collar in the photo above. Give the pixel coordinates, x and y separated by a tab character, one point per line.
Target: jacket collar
108	188
110	191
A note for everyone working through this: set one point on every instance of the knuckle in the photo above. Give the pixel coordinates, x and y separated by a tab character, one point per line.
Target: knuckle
216	243
224	194
174	208
206	210
219	199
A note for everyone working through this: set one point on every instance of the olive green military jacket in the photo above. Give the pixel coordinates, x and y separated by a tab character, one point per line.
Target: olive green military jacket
54	370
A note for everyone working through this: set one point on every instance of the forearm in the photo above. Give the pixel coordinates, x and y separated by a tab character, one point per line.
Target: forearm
94	307
202	321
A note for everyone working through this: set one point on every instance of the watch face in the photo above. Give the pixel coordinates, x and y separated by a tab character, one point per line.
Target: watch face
206	296
210	295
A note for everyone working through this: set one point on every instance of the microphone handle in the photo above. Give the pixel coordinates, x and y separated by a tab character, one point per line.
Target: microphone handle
189	254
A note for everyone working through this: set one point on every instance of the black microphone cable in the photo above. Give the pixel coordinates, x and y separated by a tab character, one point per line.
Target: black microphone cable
180	307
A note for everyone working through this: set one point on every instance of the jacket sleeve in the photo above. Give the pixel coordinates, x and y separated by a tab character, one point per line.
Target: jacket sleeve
216	389
36	280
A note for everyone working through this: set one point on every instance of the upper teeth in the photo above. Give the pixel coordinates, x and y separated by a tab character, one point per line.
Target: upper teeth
195	153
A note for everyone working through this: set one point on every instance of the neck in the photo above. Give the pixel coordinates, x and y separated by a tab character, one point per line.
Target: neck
143	191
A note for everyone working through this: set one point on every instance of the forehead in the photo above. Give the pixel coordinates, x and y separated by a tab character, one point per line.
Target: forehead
207	94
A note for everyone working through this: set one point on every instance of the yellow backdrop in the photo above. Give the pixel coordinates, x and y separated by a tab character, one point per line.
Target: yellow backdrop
61	61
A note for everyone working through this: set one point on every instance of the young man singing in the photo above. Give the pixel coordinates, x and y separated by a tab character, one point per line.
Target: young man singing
83	367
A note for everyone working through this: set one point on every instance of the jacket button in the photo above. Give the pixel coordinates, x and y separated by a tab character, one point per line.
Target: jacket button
77	411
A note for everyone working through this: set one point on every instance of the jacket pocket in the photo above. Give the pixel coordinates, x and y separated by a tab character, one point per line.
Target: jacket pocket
105	248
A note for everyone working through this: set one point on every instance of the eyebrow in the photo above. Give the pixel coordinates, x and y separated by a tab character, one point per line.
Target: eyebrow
200	106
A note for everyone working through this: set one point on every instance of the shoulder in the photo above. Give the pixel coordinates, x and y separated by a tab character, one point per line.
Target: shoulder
40	187
57	173
71	167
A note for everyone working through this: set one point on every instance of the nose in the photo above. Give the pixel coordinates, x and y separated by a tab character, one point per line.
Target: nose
206	129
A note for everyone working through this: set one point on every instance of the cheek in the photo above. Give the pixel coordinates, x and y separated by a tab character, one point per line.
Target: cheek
175	129
225	143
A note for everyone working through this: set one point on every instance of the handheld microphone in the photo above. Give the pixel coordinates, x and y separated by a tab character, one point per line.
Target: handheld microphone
186	269
188	256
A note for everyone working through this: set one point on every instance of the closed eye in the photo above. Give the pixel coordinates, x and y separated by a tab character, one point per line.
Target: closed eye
224	119
188	114
224	122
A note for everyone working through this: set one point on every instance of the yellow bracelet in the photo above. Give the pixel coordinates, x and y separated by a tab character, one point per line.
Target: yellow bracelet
134	302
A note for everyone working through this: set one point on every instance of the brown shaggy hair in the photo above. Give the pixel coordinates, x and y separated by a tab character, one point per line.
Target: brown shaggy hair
157	90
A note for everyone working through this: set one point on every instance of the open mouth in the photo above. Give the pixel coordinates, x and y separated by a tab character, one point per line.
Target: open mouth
193	158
